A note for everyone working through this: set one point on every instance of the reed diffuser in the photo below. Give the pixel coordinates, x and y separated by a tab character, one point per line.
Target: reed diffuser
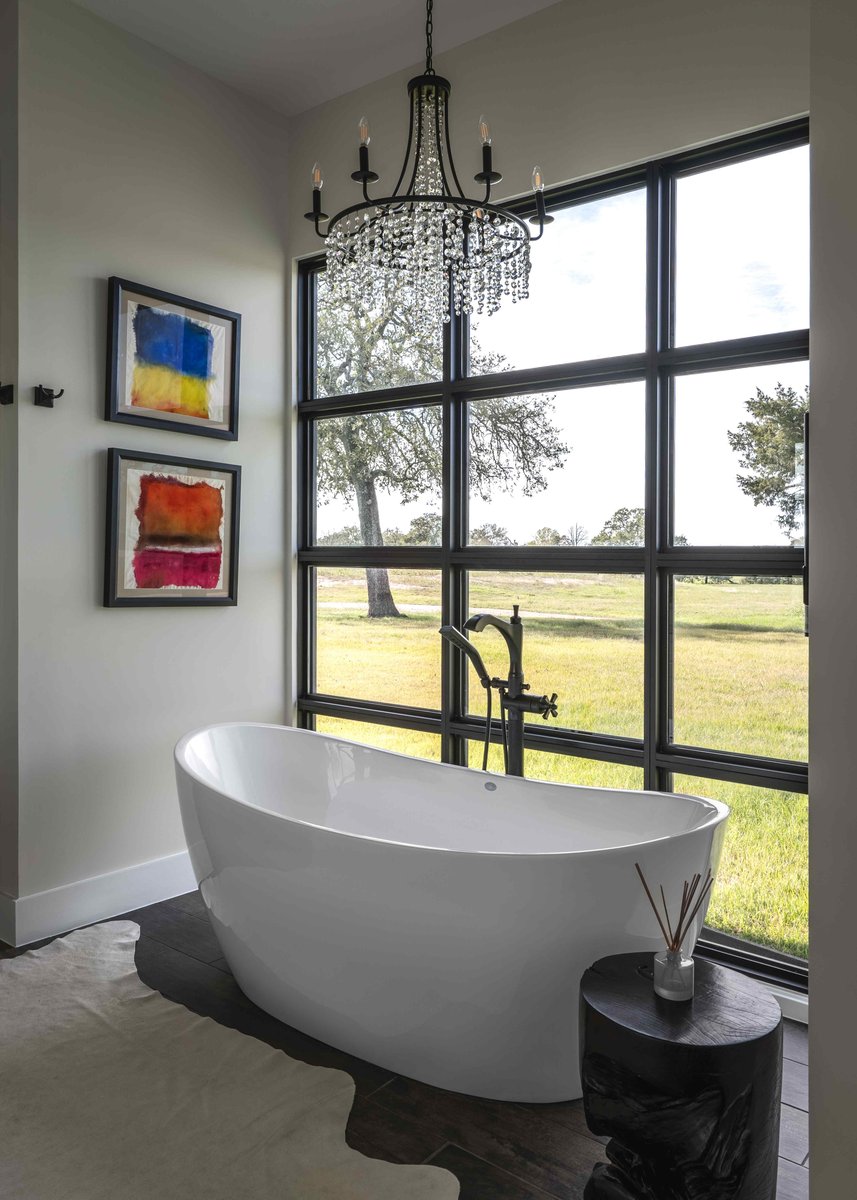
673	969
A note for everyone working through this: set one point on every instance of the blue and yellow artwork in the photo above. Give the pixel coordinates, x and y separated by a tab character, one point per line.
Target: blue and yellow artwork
172	362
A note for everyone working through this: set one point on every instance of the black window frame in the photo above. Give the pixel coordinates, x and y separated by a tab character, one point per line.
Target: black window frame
659	561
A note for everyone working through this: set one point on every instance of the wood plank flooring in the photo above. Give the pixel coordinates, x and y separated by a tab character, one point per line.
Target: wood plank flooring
498	1151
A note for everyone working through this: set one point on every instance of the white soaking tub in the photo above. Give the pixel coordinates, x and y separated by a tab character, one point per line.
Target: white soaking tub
432	919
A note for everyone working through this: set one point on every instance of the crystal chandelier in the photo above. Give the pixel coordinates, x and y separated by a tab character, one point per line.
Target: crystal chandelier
426	240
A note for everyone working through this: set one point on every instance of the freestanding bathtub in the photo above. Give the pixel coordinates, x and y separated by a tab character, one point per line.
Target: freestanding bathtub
432	919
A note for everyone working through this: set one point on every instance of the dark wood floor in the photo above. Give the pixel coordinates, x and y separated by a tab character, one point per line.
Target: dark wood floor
498	1151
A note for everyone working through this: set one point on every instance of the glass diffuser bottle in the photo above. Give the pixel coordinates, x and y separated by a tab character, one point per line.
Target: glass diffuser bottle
673	975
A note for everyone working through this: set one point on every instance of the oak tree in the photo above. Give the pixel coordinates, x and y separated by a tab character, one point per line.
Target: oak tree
513	443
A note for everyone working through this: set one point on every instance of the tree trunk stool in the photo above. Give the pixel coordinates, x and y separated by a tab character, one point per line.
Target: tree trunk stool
688	1092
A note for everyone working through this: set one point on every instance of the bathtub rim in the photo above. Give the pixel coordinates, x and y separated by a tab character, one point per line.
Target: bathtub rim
718	817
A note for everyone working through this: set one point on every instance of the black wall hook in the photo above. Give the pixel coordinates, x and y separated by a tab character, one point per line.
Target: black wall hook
7	393
45	396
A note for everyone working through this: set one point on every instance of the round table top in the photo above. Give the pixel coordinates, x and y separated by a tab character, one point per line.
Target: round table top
727	1008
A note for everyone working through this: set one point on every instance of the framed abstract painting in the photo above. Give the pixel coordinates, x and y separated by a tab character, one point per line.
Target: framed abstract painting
172	531
171	362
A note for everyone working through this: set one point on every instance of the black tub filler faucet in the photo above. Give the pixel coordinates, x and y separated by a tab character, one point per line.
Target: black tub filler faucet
513	701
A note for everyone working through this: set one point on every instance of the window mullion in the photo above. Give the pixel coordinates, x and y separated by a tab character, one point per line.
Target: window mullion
453	671
654	650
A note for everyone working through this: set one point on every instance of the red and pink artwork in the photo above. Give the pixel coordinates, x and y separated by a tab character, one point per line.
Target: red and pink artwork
180	543
172	531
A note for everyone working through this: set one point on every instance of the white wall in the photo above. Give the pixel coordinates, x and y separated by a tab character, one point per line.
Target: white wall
133	164
833	588
8	459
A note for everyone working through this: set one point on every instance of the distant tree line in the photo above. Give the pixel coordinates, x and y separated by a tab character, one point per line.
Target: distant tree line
625	528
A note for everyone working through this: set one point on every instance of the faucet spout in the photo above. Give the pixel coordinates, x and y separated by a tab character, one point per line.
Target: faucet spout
513	635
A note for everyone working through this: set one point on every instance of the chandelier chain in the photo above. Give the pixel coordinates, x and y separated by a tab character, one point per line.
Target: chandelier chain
429	30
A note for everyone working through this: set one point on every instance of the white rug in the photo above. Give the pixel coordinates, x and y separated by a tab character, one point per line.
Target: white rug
110	1092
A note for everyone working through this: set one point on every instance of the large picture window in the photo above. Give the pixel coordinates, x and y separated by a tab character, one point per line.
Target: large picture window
623	456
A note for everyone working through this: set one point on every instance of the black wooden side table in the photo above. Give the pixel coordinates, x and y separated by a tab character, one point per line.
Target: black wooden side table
689	1092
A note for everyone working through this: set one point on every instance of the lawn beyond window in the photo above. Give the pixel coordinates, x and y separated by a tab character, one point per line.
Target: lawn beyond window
762	885
393	659
741	667
583	639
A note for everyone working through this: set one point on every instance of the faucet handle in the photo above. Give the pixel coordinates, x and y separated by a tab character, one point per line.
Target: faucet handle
549	707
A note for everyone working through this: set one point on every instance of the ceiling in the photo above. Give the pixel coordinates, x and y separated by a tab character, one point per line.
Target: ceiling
294	54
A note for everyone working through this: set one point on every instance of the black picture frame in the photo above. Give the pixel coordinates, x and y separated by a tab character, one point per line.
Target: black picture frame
116	596
117	405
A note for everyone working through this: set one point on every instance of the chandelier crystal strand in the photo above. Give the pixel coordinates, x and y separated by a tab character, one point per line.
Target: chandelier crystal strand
428	243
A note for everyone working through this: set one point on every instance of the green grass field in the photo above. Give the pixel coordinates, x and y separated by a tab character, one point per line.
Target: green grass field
740	664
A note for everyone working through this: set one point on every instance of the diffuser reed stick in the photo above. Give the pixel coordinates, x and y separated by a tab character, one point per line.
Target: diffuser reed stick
692	897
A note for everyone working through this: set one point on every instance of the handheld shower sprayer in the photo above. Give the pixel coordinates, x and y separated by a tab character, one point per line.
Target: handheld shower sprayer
458	639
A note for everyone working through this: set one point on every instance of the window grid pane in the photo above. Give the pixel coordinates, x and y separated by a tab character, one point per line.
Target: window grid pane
383	737
378	478
376	635
739	438
561	768
740	665
583	639
358	351
742	248
761	892
536	469
587	292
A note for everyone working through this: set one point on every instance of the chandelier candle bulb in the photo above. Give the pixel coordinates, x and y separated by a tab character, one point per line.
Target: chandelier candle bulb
485	136
315	214
363	174
487	166
541	218
317	185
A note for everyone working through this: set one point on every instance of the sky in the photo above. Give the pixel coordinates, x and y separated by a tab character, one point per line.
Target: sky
742	253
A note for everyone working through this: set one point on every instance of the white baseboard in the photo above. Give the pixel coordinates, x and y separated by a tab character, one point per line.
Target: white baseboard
46	914
795	1005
